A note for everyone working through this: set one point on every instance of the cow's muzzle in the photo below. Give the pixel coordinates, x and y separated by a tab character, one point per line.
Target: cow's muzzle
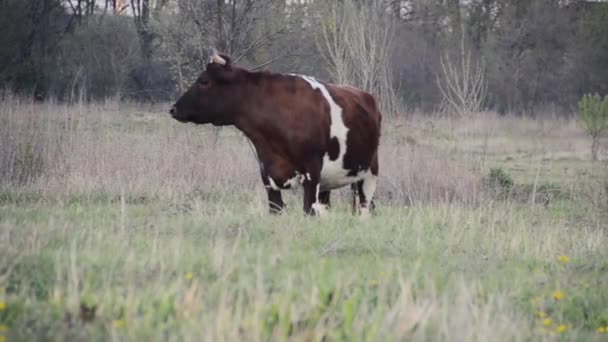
177	115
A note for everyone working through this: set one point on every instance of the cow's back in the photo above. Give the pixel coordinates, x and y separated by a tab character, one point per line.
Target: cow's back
362	103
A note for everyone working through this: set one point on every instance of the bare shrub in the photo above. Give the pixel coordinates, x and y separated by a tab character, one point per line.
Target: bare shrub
462	83
356	40
595	192
25	154
414	175
117	148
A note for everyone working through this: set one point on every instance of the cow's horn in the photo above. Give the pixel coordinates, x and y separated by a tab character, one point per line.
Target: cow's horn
216	58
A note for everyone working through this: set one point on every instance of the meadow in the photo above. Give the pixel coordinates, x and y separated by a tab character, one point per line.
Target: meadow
118	223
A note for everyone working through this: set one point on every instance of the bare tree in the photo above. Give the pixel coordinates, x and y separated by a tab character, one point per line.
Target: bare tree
192	26
356	40
462	84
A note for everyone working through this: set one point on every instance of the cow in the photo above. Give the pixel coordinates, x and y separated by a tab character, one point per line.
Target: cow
305	132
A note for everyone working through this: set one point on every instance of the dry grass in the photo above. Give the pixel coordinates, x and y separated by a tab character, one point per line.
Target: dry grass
116	149
123	148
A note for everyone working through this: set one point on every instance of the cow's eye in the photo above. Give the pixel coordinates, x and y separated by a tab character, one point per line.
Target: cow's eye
203	82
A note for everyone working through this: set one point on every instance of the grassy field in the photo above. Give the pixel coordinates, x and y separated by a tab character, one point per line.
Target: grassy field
117	223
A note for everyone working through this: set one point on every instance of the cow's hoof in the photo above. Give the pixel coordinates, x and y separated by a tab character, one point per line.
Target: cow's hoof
319	209
365	213
276	211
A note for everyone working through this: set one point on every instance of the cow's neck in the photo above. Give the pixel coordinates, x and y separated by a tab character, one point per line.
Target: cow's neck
256	135
254	120
263	136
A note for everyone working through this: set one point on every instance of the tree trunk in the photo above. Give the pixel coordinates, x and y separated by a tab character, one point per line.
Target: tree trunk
595	144
220	25
455	18
142	21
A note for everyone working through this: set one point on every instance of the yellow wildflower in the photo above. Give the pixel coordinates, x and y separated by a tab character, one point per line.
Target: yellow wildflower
547	321
119	323
2	305
3	328
563	258
561	328
373	283
558	295
189	275
541	314
2	338
601	330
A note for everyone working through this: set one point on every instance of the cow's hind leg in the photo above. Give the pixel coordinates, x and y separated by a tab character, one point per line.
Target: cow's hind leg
324	198
364	191
355	204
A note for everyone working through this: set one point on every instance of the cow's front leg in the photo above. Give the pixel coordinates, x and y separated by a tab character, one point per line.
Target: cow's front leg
312	205
275	200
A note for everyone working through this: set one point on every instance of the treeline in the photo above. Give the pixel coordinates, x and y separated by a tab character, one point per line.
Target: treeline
525	55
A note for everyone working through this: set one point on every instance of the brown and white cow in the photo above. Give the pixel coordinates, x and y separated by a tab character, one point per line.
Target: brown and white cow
305	132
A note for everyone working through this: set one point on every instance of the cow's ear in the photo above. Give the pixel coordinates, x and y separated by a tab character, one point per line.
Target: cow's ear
220	67
221	72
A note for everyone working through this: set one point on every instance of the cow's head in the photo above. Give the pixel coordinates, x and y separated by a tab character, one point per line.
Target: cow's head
215	95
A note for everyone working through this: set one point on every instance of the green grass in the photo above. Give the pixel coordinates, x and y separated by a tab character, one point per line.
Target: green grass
221	269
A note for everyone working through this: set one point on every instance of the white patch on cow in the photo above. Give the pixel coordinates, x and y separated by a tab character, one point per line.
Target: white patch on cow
369	187
295	180
319	208
333	174
308	176
273	185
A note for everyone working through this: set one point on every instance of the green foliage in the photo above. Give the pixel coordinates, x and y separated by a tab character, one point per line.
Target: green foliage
568	298
500	178
594	114
499	181
350	307
33	276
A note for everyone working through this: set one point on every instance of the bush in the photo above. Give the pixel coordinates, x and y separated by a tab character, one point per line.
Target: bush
594	116
499	181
